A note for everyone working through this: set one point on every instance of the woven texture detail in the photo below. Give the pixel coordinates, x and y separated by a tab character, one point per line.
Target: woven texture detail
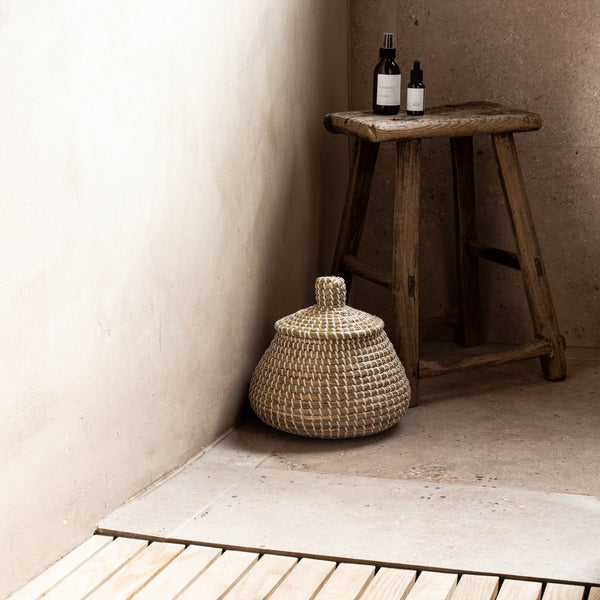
330	318
330	372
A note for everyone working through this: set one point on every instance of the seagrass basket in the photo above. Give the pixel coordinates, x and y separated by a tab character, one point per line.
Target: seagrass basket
330	371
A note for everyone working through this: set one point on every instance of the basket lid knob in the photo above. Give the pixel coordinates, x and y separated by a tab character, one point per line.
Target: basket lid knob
330	292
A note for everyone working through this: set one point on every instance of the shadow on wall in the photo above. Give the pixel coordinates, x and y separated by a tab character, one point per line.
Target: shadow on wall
292	220
160	207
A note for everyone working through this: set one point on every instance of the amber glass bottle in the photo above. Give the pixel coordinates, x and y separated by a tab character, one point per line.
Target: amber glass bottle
386	79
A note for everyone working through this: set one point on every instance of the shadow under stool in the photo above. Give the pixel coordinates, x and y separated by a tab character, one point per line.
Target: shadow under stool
459	123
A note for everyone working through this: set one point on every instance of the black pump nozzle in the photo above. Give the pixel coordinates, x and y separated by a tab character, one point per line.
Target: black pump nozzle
387	49
416	74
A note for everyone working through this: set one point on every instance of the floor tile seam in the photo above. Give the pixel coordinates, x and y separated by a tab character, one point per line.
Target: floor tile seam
265	458
425	483
166	477
207	506
432	482
239	473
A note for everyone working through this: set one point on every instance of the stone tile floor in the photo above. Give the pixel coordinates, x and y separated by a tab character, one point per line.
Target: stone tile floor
496	471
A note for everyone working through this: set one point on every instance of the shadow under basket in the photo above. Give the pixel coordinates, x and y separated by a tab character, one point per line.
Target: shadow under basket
330	371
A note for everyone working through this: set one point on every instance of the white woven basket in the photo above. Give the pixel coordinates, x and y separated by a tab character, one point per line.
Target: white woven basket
330	371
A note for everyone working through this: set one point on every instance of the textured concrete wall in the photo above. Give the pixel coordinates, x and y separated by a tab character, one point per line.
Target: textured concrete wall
163	169
541	56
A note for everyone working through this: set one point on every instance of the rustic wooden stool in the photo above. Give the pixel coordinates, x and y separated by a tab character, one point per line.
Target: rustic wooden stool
458	123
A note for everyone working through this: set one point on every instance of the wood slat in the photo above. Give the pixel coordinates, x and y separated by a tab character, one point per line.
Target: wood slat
137	572
179	573
347	582
97	569
594	593
221	576
557	591
127	568
390	584
513	589
476	587
305	580
262	578
471	118
433	586
62	568
430	368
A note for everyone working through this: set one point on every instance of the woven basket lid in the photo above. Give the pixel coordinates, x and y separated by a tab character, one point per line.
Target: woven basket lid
330	318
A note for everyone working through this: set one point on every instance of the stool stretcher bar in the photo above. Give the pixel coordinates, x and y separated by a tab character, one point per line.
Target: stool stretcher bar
521	352
501	257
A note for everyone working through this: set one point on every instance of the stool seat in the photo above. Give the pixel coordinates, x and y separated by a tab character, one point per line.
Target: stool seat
459	123
471	118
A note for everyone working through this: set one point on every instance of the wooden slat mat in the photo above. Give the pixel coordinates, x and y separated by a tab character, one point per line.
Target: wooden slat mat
122	568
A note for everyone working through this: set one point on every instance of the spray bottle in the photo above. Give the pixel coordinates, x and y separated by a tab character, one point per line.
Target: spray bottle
386	79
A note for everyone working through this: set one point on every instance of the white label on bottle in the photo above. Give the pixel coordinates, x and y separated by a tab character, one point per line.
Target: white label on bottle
415	99
388	90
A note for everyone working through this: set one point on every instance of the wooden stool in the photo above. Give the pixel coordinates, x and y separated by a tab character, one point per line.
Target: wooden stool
458	123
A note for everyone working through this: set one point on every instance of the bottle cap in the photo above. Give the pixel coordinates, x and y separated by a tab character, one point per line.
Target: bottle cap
416	74
387	49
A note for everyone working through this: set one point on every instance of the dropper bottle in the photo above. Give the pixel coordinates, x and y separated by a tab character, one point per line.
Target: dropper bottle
415	93
386	79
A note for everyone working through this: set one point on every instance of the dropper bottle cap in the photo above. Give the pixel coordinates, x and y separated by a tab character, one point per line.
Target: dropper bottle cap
387	49
416	74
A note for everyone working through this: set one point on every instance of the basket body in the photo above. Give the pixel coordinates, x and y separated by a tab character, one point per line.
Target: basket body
330	372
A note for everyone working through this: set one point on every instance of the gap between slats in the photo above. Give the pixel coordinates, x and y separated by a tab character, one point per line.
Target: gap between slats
129	568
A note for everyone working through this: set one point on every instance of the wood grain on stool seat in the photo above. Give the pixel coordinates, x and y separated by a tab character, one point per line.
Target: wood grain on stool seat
471	118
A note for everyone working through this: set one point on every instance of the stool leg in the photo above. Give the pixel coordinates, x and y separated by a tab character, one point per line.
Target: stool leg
355	207
405	267
467	265
544	319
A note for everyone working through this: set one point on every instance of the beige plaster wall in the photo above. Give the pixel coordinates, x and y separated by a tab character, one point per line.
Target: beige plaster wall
539	55
163	169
